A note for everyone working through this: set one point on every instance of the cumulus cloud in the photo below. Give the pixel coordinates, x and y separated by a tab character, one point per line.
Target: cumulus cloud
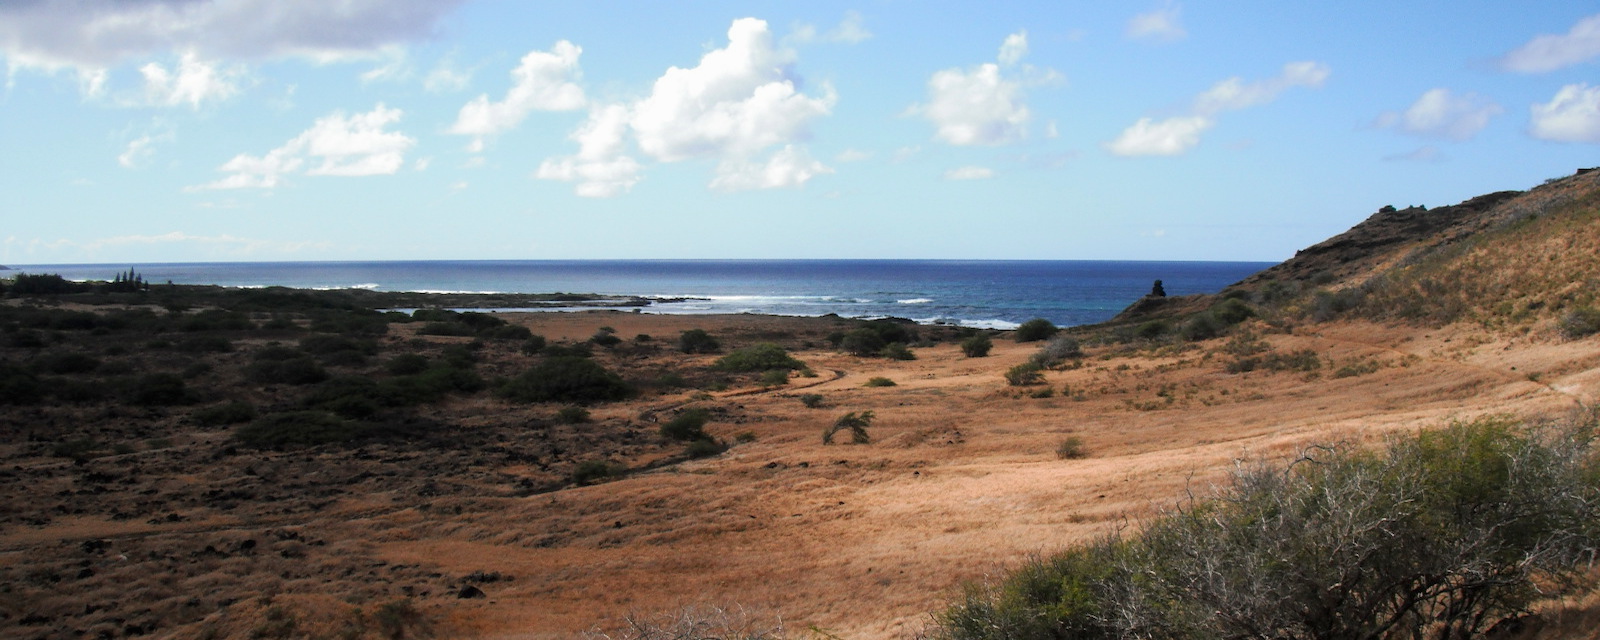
969	173
1573	115
191	82
543	81
601	168
1176	135
335	145
446	77
1439	113
103	33
1549	52
740	102
790	166
1160	25
984	105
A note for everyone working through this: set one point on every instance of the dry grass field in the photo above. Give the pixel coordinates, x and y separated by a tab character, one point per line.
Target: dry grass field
961	479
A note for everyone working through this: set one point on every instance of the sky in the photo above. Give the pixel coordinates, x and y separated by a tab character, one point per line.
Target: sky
137	131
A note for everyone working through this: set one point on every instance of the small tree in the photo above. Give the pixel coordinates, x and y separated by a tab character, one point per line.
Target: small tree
977	346
857	423
764	356
698	341
1035	330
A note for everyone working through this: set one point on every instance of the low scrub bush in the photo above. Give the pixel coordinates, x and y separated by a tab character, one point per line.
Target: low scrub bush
158	389
862	342
879	381
897	351
977	346
774	378
1060	349
704	448
1071	448
297	428
572	415
698	341
1025	374
297	370
407	364
1580	322
66	363
1444	534
1035	330
234	412
811	400
565	379
764	356
688	425
592	471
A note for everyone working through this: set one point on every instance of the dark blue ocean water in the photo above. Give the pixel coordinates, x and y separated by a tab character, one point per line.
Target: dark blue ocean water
996	294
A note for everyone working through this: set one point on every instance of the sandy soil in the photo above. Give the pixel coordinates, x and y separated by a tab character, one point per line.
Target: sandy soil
960	481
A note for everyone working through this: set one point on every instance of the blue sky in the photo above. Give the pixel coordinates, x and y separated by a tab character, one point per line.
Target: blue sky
193	130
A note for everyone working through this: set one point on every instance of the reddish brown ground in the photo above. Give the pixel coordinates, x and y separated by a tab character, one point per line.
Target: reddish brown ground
859	541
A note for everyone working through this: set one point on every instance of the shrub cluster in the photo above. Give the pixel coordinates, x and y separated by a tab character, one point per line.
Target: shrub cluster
1443	535
977	345
565	378
1060	349
764	356
1035	330
698	341
1580	322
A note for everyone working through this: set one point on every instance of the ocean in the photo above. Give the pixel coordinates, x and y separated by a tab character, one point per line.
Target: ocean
993	294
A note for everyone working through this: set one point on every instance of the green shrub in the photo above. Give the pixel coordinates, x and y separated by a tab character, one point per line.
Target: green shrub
1203	326
1152	329
863	342
205	344
592	471
1580	322
811	400
1443	534
572	415
297	428
455	329
158	389
977	346
1035	330
857	423
567	351
879	381
605	338
1071	448
234	412
704	448
764	356
698	341
565	379
533	344
297	370
407	364
688	425
774	378
1025	374
897	351
66	363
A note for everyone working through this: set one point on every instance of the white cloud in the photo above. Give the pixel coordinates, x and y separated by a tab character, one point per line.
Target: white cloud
1427	153
1439	113
103	33
1160	25
853	155
1234	93
1014	48
446	77
969	173
394	66
1169	137
542	81
1550	52
355	145
739	102
601	168
1573	115
787	167
851	30
141	148
1178	134
217	246
982	105
191	83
